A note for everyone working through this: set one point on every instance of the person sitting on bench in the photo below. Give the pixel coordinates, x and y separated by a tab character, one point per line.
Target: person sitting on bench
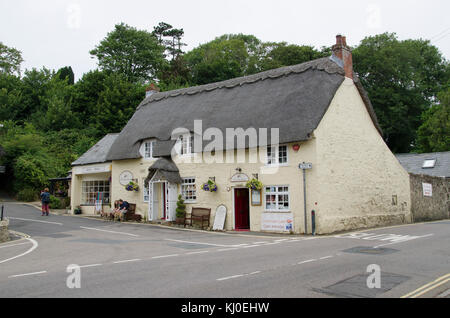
123	209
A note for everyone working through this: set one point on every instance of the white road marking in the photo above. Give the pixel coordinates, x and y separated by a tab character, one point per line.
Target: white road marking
228	249
128	261
230	277
308	261
201	243
35	245
32	220
92	265
405	240
29	274
14	245
107	231
237	276
326	257
194	253
165	256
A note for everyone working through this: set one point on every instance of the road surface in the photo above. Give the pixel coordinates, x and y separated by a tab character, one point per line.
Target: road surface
137	260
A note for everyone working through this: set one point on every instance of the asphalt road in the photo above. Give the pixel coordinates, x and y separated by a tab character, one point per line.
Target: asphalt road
135	260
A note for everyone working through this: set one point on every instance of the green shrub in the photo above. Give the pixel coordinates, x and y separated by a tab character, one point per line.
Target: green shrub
55	203
27	195
181	208
66	202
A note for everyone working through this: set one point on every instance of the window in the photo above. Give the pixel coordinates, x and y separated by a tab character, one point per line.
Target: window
91	189
277	198
148	149
429	163
146	191
189	190
187	144
277	155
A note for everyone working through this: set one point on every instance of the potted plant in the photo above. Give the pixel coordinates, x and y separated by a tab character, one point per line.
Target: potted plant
180	210
77	210
255	184
132	186
210	186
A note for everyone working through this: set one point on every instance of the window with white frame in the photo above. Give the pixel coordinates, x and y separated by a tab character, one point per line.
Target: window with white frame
277	198
146	193
148	149
187	144
189	190
90	191
277	155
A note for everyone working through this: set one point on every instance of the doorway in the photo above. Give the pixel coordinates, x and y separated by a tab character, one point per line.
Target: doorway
242	209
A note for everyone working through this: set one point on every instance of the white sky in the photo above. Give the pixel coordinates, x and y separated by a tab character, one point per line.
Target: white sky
57	33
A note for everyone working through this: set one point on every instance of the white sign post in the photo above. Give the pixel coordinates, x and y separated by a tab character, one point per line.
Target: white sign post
305	166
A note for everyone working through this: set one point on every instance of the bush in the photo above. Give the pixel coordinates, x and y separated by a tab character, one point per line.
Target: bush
55	203
181	208
66	202
27	195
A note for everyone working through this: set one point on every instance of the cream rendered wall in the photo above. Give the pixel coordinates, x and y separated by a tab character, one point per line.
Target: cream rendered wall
286	175
357	175
76	183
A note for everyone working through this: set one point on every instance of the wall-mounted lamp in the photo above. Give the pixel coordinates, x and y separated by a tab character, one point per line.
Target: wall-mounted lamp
212	179
239	170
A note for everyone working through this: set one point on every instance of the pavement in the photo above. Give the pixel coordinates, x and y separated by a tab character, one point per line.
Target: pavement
141	260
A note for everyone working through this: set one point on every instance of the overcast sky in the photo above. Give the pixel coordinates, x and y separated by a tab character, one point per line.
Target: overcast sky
56	33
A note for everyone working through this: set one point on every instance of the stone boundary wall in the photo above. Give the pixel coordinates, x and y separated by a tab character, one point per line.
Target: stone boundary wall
429	208
4	234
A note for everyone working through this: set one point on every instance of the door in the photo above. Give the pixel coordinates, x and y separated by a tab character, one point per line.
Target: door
153	201
172	198
242	209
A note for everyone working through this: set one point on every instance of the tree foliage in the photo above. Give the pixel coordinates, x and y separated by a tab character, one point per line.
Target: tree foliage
402	79
10	60
136	54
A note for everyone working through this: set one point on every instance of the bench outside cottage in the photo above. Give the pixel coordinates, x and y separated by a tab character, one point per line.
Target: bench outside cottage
199	214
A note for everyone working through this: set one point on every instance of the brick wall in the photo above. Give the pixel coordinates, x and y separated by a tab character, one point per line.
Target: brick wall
436	207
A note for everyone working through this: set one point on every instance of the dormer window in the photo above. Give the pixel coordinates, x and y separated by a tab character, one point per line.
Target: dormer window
187	144
147	149
429	164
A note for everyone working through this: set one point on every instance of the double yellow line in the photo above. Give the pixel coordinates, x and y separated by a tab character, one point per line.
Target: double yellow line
430	286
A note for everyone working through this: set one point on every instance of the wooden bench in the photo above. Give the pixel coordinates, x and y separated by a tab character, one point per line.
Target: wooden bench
198	214
131	214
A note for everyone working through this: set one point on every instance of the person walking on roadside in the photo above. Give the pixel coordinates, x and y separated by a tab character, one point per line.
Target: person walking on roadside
45	199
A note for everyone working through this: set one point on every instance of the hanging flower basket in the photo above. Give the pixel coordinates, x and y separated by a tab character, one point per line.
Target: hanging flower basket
132	186
210	186
255	184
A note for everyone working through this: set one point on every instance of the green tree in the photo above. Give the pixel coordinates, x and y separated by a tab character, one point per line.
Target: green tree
402	79
283	54
434	133
226	57
10	97
10	60
117	103
136	54
67	73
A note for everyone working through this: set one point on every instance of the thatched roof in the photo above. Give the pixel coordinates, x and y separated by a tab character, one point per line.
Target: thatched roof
167	168
293	99
98	153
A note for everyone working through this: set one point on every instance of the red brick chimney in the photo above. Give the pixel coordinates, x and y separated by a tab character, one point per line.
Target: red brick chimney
151	89
344	53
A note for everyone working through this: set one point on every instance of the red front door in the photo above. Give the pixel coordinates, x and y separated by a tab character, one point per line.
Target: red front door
242	209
